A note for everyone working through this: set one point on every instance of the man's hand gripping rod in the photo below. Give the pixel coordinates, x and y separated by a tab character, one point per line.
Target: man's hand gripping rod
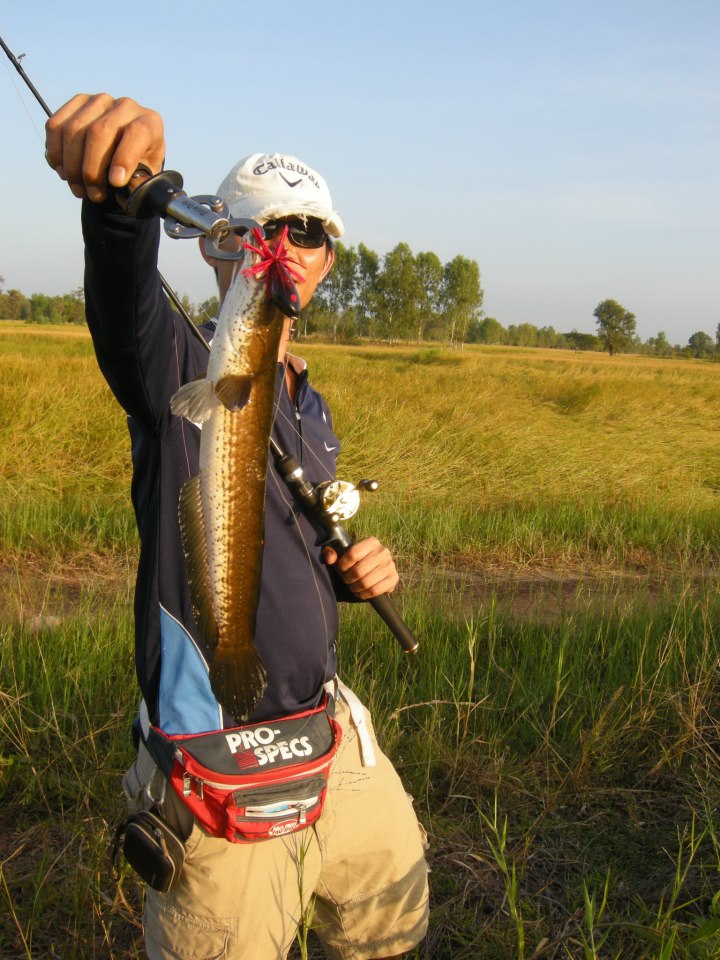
324	503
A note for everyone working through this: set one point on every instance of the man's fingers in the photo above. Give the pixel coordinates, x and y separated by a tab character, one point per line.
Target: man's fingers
55	132
368	591
329	555
362	557
368	569
95	140
66	134
142	141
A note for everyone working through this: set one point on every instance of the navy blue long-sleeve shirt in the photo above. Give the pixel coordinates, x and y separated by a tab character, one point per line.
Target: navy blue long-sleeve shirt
146	352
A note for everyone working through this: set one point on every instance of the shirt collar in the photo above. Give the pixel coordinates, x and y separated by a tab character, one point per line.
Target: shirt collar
297	363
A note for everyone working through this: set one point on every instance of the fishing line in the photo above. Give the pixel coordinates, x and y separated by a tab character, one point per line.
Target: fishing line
304	443
307	447
169	292
22	101
182	419
291	506
175	301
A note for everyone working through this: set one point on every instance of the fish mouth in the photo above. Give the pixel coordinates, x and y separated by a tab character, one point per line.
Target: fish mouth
284	294
275	263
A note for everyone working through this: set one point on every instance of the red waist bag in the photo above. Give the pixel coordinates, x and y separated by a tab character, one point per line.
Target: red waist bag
253	782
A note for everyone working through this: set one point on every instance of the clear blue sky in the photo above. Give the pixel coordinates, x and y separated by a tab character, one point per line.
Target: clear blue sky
571	148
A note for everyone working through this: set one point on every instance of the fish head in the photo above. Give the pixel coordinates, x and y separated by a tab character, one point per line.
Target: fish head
283	292
273	262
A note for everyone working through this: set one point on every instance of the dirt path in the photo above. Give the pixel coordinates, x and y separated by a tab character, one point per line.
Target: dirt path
42	594
547	594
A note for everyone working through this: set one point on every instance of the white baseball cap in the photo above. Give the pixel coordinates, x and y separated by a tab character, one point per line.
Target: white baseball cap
267	186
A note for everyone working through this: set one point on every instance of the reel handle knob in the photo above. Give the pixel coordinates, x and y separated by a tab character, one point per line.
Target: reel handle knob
370	485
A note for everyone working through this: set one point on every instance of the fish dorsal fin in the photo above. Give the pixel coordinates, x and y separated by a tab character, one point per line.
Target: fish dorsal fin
192	529
195	400
233	391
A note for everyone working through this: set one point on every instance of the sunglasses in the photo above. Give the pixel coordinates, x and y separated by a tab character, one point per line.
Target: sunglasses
309	233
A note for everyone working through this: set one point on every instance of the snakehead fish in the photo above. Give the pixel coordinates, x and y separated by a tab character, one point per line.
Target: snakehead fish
222	508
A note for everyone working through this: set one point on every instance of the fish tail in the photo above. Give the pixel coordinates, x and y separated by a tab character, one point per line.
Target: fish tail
238	682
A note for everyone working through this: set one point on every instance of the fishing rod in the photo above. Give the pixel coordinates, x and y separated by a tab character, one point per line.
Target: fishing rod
18	66
185	217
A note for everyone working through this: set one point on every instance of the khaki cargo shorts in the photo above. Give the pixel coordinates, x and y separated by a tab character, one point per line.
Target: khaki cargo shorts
358	877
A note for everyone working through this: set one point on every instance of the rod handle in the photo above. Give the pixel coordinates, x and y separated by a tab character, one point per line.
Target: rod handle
385	608
147	195
382	605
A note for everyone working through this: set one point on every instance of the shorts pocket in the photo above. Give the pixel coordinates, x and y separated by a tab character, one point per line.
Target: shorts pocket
170	933
423	832
193	841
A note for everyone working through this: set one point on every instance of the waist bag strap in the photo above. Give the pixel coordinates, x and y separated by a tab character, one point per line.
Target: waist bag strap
357	715
144	718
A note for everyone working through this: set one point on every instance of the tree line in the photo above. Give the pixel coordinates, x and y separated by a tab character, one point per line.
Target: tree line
616	334
400	296
408	297
39	308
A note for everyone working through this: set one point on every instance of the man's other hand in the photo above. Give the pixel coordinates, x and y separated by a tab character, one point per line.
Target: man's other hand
366	568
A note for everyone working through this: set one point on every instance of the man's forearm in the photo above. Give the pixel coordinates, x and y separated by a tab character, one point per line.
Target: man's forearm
141	349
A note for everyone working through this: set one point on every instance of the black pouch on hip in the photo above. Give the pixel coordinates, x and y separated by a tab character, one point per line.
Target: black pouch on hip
152	849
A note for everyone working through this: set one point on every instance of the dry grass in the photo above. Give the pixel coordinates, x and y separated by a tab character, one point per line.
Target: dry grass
565	761
494	455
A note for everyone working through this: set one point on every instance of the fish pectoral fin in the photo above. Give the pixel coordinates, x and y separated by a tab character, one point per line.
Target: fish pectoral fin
233	390
192	529
195	400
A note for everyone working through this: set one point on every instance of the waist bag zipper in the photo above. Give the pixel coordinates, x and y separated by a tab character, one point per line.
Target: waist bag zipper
187	786
301	806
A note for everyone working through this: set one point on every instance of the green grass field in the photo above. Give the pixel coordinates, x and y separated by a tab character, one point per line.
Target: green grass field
555	518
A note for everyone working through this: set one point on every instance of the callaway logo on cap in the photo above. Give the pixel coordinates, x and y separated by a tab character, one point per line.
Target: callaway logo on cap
268	186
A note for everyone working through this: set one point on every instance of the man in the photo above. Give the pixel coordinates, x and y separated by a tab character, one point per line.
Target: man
360	870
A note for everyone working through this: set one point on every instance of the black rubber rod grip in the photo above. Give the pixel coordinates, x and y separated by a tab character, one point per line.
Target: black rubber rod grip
384	606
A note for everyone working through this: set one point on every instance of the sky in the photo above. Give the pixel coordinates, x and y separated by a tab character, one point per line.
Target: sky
571	148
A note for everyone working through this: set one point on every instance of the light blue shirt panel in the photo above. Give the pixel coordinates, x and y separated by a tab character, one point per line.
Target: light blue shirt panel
186	702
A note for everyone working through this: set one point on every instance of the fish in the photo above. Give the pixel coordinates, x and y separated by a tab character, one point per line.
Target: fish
221	509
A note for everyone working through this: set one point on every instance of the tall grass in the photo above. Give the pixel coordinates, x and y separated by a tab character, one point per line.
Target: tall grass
563	754
508	456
